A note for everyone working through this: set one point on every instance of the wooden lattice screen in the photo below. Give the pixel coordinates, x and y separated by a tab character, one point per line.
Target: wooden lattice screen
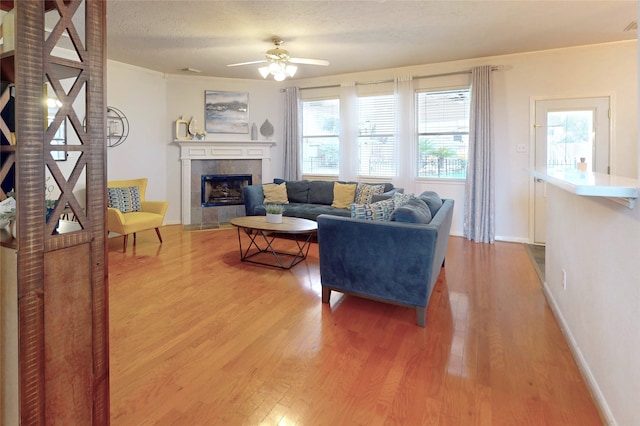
62	289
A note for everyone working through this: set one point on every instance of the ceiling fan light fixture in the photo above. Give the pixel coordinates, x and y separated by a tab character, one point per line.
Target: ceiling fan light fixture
279	70
291	70
275	67
279	64
264	71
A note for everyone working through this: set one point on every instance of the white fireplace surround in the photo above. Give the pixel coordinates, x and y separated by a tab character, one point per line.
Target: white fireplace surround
219	150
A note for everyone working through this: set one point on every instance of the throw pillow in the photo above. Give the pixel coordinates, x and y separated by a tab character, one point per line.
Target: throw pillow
321	192
400	198
433	200
275	194
343	195
387	187
413	211
381	210
365	191
298	191
126	199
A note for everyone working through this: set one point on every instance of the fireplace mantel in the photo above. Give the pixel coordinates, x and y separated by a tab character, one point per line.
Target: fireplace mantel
219	150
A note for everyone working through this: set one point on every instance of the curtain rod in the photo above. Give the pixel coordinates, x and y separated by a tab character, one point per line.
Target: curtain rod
363	83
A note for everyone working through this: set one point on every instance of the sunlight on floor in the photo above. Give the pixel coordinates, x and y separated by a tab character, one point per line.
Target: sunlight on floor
460	312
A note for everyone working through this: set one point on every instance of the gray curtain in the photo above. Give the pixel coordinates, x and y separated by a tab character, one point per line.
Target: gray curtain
479	208
292	129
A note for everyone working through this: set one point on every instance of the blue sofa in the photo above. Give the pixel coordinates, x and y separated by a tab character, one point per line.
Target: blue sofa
388	261
307	199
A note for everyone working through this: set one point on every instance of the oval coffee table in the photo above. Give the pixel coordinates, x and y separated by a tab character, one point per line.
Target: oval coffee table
262	235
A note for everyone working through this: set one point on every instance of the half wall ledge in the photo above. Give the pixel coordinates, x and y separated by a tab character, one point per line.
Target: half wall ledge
620	189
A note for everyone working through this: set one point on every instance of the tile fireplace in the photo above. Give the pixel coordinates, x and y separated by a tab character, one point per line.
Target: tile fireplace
250	159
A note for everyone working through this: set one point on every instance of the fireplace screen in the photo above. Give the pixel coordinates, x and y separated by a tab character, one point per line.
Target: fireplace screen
223	190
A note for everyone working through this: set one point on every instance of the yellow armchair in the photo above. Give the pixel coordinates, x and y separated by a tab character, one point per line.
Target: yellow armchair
151	214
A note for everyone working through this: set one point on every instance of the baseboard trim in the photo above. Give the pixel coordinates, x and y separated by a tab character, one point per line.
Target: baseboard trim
512	239
497	238
601	403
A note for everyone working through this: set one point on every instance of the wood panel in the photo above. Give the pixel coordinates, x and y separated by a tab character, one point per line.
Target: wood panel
197	337
30	208
68	336
8	336
62	309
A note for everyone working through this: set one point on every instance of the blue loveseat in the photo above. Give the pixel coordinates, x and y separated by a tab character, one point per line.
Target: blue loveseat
388	261
307	199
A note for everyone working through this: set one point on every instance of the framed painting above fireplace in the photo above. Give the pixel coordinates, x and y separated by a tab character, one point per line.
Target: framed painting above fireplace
226	112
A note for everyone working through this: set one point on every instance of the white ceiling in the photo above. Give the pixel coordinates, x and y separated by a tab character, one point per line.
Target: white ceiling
353	36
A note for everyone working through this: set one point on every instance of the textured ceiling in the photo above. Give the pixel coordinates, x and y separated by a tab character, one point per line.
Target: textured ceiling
353	36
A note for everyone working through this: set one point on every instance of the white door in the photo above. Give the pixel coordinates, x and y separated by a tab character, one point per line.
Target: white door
568	131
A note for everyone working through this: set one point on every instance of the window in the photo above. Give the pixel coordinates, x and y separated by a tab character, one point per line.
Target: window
376	137
443	134
320	137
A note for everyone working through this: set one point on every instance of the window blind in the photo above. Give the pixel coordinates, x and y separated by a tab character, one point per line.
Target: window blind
320	136
376	140
443	133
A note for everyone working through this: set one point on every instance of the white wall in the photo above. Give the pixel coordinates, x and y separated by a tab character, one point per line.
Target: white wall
141	95
153	102
597	243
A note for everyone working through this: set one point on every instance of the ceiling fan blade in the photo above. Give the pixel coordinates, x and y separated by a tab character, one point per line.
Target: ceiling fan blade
308	61
247	63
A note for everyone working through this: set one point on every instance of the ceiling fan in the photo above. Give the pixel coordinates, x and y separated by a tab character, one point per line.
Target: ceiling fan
281	65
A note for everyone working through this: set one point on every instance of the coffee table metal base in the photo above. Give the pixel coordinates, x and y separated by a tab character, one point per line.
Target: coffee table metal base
262	242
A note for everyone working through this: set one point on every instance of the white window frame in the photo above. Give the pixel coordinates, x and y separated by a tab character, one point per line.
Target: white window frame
311	172
453	166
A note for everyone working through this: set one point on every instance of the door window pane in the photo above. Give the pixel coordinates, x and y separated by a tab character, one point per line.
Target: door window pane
569	138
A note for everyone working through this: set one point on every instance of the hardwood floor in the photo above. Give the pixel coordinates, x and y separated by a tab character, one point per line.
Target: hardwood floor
198	338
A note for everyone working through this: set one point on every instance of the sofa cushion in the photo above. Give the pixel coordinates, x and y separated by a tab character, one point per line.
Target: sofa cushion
365	191
381	210
306	210
413	211
312	211
321	192
275	193
433	200
298	191
343	195
126	199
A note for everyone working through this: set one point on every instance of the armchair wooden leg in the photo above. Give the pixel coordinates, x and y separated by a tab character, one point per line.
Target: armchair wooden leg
159	236
124	246
134	238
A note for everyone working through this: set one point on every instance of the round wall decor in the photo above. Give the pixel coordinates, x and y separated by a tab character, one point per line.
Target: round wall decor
117	127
